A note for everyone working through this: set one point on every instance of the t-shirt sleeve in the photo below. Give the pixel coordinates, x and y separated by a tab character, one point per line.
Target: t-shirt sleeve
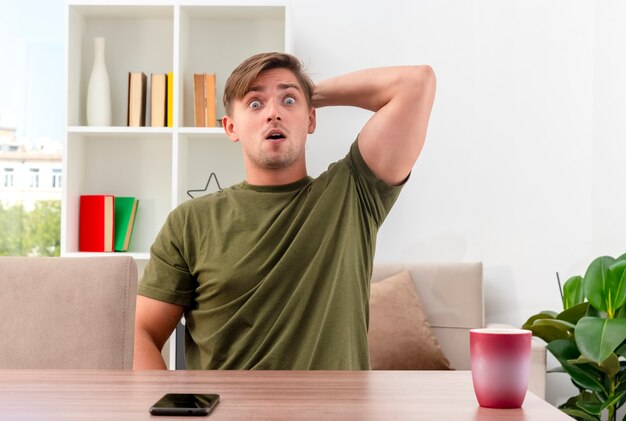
167	276
376	195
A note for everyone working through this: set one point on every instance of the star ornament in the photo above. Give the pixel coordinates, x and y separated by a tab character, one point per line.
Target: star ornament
202	192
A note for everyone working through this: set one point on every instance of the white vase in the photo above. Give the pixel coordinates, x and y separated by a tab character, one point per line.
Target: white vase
98	91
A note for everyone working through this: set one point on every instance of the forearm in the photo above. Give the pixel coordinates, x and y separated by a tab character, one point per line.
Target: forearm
374	88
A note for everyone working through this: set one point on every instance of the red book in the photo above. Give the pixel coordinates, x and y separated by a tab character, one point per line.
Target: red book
97	223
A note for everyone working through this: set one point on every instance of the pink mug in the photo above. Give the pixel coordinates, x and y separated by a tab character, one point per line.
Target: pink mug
500	360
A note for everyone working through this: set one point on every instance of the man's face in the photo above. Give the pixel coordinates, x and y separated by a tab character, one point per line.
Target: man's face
272	121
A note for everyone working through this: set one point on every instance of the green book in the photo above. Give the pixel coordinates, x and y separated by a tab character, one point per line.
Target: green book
125	211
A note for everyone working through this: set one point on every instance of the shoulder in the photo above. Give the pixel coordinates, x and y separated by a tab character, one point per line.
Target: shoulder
351	164
341	167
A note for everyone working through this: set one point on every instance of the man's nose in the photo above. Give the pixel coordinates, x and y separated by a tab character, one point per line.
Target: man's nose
273	111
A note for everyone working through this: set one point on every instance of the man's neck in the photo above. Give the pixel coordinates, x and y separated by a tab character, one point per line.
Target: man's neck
278	177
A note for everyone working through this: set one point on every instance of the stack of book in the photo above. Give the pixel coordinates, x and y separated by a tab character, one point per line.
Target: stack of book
204	101
161	96
106	222
161	100
136	115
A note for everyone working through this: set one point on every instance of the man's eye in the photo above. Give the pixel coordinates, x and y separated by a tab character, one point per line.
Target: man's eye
289	100
254	104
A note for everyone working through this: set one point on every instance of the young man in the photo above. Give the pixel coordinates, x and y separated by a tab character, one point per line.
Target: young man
274	273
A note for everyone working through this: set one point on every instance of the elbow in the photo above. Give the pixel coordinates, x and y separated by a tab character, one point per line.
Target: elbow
419	86
426	71
423	77
415	84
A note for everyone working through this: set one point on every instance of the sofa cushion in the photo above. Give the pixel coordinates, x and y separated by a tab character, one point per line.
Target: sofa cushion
399	334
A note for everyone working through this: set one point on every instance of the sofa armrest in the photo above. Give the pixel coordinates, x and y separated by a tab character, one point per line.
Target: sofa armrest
537	380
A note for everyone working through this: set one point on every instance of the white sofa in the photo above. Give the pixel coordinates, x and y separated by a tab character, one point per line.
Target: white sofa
451	295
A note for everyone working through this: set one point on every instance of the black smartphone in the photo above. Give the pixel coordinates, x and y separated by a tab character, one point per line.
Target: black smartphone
185	404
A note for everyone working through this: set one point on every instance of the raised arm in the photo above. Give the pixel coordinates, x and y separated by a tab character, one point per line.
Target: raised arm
154	323
402	99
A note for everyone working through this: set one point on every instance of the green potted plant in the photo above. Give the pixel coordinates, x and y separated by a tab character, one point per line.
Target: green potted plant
588	338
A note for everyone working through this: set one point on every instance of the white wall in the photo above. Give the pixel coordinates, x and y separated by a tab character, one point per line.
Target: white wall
609	136
525	162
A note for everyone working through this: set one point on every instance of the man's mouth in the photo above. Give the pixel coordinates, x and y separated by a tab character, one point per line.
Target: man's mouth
274	135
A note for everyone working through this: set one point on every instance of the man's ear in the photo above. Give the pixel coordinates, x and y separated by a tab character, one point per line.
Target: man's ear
229	128
312	121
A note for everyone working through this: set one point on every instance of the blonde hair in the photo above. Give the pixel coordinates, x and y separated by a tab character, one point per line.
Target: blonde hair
239	81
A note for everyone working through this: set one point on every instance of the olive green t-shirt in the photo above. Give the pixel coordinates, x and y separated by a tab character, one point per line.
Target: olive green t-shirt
275	277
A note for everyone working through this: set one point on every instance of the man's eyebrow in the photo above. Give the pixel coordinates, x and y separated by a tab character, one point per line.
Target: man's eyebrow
256	88
289	85
283	86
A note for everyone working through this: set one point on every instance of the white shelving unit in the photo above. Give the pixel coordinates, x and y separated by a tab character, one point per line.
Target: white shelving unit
156	165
